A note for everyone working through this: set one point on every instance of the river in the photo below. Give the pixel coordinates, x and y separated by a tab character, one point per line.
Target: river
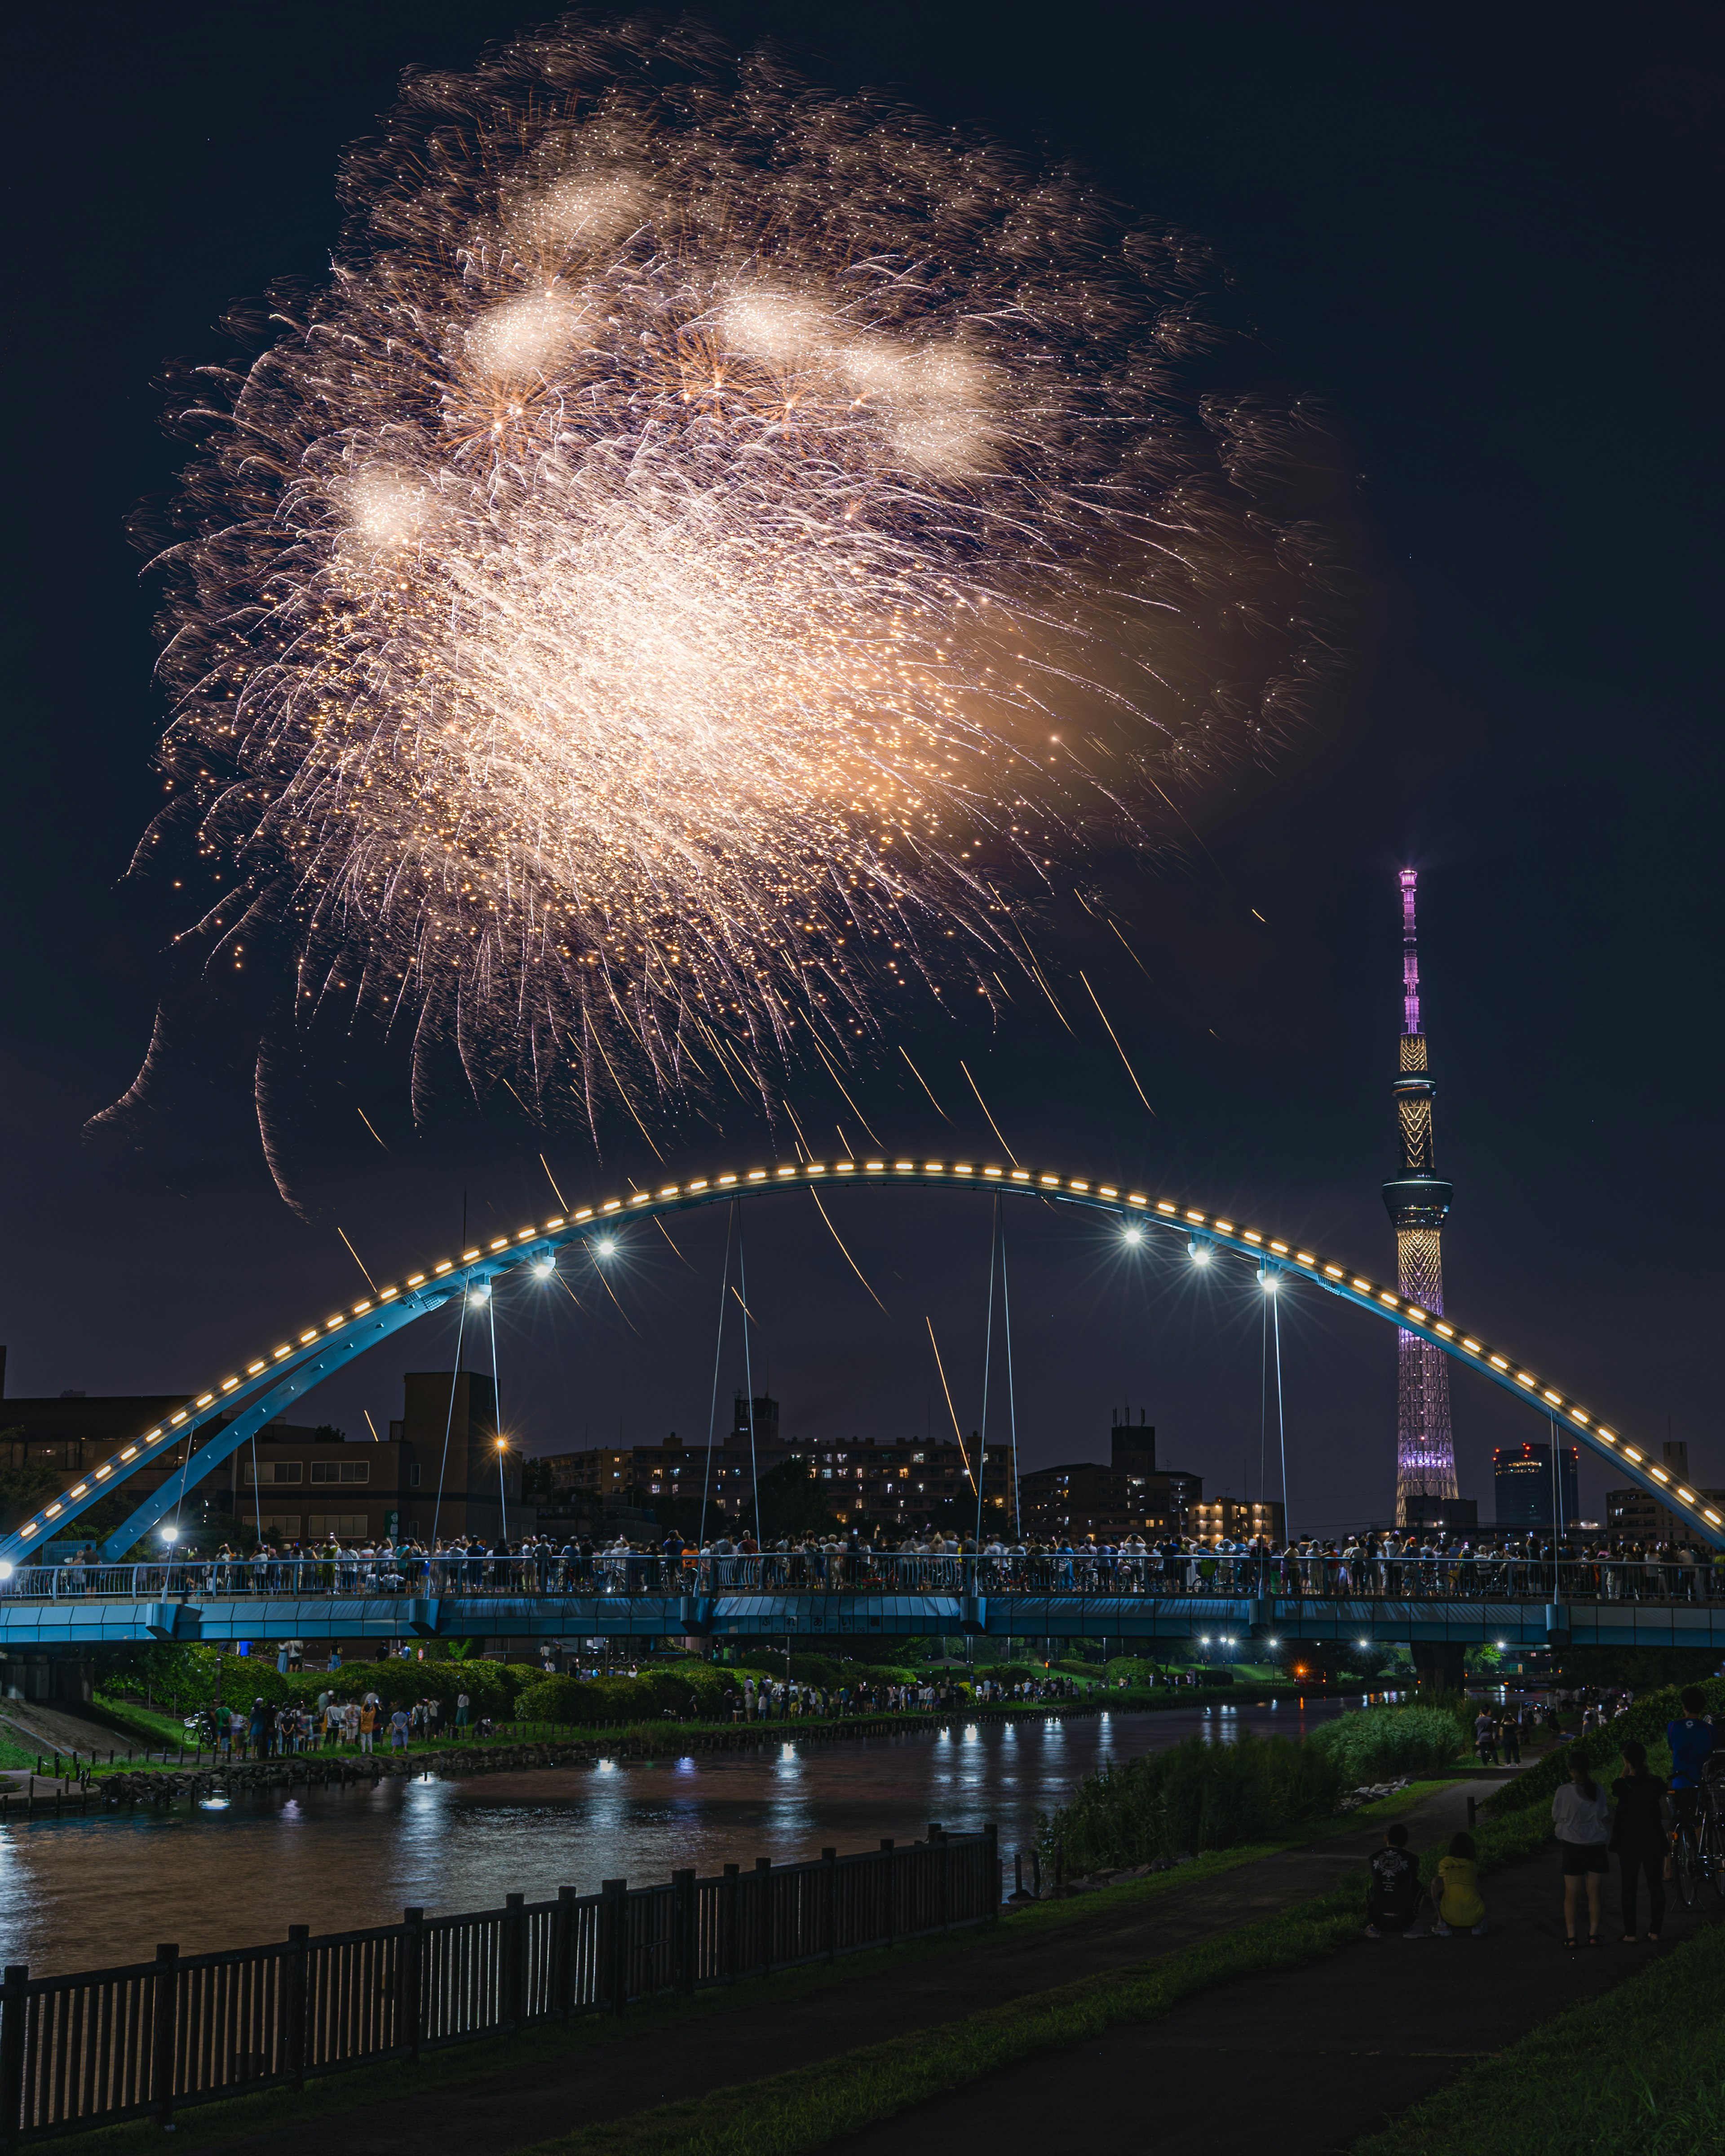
93	1892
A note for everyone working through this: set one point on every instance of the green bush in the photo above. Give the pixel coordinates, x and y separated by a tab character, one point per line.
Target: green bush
1136	1669
692	1690
1195	1795
1379	1742
180	1680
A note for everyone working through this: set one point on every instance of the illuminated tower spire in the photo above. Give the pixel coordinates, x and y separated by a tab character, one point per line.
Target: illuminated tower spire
1419	1202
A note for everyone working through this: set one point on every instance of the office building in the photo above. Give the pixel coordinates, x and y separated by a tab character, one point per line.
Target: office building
1522	1486
1635	1516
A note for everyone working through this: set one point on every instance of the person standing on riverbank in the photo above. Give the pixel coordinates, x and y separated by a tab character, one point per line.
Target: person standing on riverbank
1581	1817
1639	1839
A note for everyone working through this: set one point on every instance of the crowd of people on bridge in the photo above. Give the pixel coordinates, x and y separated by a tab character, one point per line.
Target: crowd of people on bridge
1374	1564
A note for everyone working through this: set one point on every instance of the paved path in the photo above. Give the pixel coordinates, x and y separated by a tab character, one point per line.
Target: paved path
1313	2058
509	2111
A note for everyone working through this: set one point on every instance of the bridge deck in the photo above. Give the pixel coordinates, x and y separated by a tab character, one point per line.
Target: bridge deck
73	1621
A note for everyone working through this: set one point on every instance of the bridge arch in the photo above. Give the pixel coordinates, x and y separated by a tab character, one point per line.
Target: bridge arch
259	1392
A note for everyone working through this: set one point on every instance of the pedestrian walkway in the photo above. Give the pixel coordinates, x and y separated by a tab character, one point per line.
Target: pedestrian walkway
507	2110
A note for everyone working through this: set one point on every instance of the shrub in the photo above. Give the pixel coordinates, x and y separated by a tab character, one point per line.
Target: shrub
1195	1795
1382	1741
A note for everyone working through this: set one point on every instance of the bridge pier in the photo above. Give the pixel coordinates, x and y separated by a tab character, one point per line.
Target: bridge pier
1439	1665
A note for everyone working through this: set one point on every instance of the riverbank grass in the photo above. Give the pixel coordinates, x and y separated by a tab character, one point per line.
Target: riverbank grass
792	2112
1637	2071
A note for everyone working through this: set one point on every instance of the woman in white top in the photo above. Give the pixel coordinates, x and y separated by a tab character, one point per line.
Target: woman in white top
1582	1816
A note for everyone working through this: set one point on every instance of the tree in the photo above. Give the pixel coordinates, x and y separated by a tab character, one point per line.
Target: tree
793	1502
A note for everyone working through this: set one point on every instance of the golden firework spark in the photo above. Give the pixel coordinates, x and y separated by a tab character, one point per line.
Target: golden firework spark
625	612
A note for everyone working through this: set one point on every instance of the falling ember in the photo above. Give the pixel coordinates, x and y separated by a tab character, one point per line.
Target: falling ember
623	610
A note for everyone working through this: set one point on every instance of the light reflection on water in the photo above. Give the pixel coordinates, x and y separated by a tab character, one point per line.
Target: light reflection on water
87	1893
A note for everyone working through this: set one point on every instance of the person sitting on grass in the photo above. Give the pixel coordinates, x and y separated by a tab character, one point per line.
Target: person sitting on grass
1392	1897
1456	1904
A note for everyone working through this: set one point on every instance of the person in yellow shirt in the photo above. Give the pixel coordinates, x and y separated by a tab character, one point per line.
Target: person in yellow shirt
1456	1890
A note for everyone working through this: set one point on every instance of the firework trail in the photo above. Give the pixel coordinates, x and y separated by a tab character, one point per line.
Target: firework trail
624	617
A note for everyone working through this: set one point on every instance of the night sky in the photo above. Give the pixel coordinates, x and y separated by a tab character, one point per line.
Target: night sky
1480	240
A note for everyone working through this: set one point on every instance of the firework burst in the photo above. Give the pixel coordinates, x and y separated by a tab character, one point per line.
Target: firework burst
622	619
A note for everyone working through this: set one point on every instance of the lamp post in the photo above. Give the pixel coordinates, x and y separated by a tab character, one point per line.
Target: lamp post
502	1493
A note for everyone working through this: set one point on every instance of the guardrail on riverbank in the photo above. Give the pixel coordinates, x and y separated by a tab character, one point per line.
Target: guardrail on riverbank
93	2047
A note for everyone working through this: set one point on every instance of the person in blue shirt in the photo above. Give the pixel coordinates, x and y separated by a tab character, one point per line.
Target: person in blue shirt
1691	1741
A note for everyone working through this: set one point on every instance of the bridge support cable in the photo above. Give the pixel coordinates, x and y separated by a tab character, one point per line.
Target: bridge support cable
1282	1419
1263	1394
497	1404
1012	1411
748	1376
982	1465
450	1419
712	1412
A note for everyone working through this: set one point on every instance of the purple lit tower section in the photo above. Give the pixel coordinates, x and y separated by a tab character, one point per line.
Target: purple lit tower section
1419	1202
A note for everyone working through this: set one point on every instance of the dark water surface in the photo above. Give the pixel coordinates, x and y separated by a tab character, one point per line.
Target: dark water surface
91	1893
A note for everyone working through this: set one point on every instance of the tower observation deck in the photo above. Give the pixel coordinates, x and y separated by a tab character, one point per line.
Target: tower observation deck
1419	1202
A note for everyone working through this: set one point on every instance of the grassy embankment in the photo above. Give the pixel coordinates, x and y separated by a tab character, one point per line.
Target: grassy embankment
208	2125
801	2110
1638	2072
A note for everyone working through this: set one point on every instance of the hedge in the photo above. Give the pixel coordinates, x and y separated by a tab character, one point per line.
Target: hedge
184	1679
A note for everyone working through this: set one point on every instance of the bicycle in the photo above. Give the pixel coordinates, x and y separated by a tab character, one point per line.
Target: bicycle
1698	1844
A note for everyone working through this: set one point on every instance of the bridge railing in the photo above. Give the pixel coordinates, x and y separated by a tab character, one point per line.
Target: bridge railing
366	1574
91	2048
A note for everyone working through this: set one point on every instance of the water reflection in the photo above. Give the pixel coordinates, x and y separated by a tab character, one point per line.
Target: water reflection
83	1893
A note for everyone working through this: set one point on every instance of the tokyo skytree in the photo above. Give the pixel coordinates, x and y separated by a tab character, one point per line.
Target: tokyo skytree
1419	1202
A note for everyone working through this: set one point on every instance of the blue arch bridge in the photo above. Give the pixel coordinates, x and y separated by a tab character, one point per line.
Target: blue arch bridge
1129	1598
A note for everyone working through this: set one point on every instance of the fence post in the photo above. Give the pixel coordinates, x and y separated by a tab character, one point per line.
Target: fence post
683	1933
514	2001
728	1900
563	1953
763	1872
163	2032
14	2006
407	1983
294	2003
886	1860
942	1875
614	1944
992	1880
829	1900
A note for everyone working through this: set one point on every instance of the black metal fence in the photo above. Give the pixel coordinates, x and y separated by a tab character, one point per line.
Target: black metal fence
100	2046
